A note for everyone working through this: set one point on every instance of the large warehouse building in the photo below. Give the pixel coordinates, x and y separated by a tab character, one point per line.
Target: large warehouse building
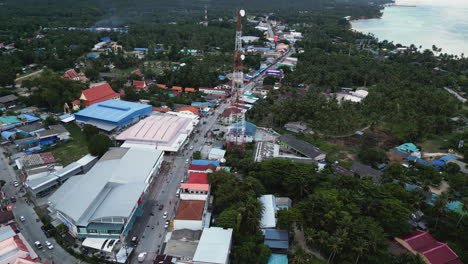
160	131
112	114
104	202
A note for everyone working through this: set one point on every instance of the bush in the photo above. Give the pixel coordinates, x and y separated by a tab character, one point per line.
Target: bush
89	131
99	144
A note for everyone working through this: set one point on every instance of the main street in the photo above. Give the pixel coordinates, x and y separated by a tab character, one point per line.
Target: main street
31	227
149	229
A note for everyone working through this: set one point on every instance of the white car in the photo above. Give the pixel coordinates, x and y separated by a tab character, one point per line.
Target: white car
22	219
165	215
187	161
49	245
38	244
191	147
166	225
16	184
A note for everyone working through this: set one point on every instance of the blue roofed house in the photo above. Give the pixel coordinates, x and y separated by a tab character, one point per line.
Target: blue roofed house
112	114
409	148
206	162
276	239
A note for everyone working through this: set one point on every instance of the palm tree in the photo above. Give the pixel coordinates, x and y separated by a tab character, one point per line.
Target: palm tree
360	246
440	207
464	209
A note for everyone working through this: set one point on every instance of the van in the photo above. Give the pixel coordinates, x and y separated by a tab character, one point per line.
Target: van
134	239
177	192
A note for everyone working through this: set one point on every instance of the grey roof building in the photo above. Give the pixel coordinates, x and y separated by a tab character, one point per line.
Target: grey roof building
183	243
302	147
102	203
364	170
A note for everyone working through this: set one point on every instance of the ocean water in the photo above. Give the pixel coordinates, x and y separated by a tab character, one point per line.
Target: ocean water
443	23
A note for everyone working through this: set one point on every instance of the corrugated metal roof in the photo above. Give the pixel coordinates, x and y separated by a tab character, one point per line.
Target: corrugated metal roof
214	245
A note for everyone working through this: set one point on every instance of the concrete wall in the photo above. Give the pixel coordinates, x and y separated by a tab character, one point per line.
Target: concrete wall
188	224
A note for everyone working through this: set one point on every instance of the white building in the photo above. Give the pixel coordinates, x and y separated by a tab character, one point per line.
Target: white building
102	203
214	246
189	215
193	191
160	131
269	211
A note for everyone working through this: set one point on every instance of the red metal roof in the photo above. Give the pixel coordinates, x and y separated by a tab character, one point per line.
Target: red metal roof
189	108
194	167
141	85
230	111
176	88
137	72
76	102
99	94
198	178
192	90
434	251
194	186
164	110
190	210
162	86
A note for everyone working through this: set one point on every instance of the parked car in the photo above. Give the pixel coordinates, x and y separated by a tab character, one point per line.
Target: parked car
13	199
38	244
49	245
22	219
165	215
142	256
15	183
166	225
187	161
161	206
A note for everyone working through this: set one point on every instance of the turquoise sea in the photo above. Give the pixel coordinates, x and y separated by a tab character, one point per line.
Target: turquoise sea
442	23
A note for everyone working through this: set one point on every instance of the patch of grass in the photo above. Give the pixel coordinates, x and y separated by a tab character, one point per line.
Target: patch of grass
75	149
435	144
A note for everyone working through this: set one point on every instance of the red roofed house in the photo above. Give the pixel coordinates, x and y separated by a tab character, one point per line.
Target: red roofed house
140	85
194	191
14	248
162	110
73	75
202	168
431	250
189	215
231	113
162	86
138	72
190	90
189	110
177	88
95	95
197	178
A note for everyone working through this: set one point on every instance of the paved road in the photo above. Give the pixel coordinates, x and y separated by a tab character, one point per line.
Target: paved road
31	228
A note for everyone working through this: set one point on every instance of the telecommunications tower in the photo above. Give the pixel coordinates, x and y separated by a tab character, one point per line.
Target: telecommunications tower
236	134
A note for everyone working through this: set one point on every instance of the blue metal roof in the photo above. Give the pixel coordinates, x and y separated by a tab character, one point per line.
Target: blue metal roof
278	244
29	117
105	39
113	111
205	162
7	134
438	163
448	157
140	49
202	103
411	187
278	259
276	234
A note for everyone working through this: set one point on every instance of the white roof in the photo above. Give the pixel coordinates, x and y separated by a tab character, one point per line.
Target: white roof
214	246
110	189
98	243
164	132
269	211
216	154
